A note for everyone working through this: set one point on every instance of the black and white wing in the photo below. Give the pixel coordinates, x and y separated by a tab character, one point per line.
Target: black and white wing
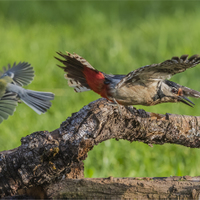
162	70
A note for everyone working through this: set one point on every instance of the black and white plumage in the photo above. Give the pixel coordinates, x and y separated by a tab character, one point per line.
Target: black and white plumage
148	85
155	78
164	70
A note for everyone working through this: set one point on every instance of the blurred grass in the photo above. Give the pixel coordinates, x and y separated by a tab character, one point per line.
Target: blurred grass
115	37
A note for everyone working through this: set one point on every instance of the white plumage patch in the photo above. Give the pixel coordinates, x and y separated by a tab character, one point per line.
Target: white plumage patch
78	87
81	89
196	95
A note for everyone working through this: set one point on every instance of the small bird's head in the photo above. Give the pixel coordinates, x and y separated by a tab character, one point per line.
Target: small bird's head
169	91
3	84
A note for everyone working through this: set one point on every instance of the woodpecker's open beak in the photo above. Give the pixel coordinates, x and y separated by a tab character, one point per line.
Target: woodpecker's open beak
186	101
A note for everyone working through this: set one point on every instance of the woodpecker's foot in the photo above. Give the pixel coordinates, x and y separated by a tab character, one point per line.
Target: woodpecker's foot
114	103
129	108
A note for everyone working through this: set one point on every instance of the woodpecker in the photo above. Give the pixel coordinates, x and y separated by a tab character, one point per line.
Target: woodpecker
11	91
148	85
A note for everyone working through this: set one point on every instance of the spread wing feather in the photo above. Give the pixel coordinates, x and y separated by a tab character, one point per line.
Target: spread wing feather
21	73
162	70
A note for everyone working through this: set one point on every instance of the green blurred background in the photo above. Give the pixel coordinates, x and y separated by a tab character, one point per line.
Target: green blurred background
115	37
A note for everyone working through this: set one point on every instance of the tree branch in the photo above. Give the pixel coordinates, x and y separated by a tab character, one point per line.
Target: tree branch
45	157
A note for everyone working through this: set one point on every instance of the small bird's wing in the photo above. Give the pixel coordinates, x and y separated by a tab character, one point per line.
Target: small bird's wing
21	73
8	104
162	70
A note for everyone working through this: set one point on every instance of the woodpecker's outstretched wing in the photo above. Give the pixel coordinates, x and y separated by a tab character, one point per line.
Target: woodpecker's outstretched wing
162	70
21	73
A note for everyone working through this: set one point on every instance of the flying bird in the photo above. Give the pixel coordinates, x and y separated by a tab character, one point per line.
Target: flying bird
11	90
148	85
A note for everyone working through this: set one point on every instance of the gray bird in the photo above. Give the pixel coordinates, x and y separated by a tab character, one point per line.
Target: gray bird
11	91
147	85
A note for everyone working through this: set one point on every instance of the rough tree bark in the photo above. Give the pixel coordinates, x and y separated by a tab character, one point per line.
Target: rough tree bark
49	164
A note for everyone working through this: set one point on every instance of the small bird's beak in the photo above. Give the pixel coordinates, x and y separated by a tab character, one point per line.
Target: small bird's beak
185	100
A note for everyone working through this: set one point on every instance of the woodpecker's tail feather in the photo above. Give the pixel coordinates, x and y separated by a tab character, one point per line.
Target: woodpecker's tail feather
38	101
21	73
8	103
74	66
78	87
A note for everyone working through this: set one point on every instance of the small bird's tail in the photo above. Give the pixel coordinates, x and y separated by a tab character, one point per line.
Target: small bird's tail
38	101
75	67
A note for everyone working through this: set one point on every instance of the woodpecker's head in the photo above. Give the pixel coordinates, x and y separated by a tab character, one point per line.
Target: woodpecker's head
169	91
178	93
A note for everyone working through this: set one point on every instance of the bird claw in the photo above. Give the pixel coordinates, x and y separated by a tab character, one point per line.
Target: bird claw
114	103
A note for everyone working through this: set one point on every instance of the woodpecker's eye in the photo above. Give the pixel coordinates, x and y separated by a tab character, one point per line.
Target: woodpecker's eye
174	90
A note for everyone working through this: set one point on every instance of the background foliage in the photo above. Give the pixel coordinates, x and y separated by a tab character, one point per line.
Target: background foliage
115	37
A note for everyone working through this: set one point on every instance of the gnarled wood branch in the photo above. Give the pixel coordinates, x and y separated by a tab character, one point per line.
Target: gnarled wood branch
46	157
